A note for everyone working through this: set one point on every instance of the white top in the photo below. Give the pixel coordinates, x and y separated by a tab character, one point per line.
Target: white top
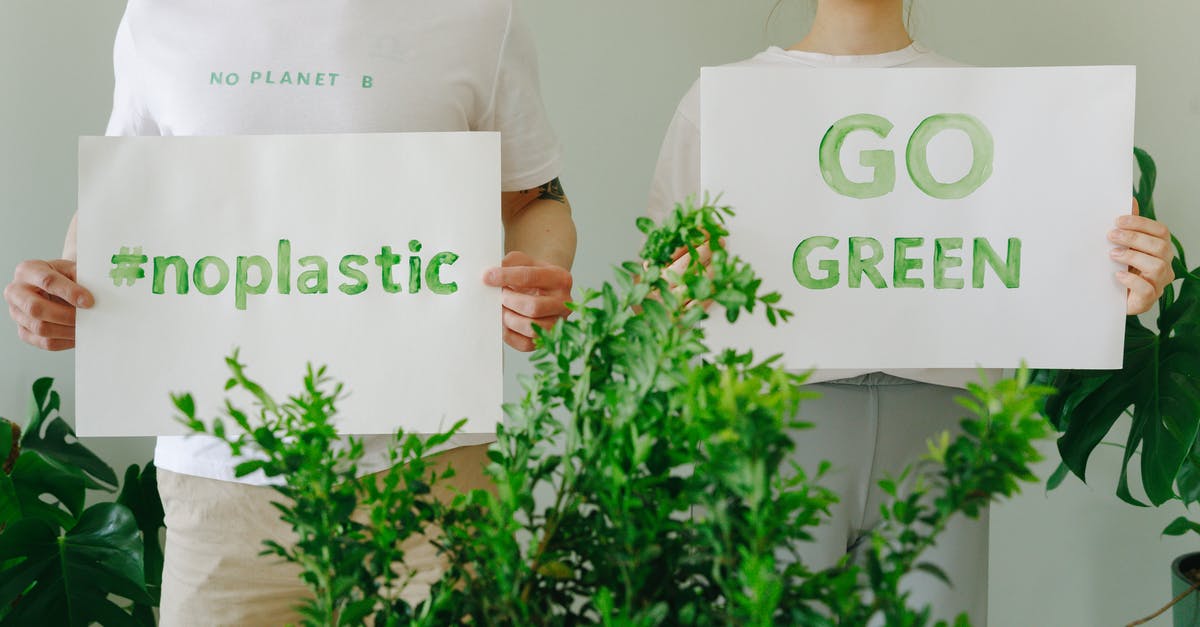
677	175
231	67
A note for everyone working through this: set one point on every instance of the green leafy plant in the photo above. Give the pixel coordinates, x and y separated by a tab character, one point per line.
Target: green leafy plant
1158	386
672	499
59	562
961	477
347	562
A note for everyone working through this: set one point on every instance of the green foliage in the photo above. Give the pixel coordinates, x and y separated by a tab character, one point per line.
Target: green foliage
61	564
1158	386
671	497
139	493
66	579
348	562
987	462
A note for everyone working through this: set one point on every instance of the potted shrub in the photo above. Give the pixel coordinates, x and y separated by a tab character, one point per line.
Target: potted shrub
671	498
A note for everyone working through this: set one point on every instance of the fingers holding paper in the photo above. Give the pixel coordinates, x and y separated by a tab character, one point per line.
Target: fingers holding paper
534	295
1145	246
42	298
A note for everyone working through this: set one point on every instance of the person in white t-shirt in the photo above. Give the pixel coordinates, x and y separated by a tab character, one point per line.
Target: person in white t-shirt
227	67
869	424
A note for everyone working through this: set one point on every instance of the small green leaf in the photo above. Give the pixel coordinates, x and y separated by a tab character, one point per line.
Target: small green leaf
936	571
1056	479
1180	526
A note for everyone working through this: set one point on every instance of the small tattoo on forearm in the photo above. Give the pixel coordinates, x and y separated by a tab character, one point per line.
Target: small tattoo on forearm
552	191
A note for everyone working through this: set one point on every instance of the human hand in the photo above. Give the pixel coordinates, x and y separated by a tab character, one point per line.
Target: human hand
534	293
42	299
682	260
1145	245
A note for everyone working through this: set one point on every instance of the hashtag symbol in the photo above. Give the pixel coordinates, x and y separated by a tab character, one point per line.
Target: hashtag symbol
127	266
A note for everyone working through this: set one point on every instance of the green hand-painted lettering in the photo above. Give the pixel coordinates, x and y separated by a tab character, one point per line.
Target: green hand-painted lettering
242	285
883	162
414	267
346	267
200	275
857	266
252	275
982	147
942	261
160	274
283	256
1009	271
315	281
902	264
386	260
800	263
433	274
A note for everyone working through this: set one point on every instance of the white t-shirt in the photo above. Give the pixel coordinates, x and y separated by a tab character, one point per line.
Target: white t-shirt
232	67
677	175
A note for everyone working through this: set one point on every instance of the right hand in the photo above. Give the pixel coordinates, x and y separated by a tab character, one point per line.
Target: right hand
682	260
42	299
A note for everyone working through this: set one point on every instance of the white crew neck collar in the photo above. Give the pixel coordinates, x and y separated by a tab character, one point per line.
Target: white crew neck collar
887	59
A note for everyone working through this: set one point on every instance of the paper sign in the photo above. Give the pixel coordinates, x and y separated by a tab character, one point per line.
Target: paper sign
926	218
363	253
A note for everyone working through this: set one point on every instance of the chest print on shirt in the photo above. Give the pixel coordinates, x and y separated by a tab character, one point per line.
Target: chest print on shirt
288	78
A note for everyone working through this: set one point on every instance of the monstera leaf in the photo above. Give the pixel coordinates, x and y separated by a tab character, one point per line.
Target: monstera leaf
35	475
66	579
140	494
10	447
51	435
1158	387
59	563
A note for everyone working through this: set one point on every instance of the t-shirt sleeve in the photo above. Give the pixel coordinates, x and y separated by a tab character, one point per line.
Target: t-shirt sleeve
677	174
529	150
129	115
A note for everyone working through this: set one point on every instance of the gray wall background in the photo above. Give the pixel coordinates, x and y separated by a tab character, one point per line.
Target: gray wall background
612	74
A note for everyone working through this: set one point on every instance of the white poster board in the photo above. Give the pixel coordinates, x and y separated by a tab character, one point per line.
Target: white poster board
993	188
363	253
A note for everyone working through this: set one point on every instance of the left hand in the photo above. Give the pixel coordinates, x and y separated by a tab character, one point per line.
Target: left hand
535	293
1146	246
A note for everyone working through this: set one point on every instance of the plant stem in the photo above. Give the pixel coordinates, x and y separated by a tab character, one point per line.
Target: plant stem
567	487
1166	607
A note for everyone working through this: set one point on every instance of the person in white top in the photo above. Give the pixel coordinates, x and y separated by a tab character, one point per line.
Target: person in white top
869	424
228	67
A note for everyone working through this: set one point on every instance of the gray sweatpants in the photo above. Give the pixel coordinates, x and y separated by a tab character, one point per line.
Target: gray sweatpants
872	426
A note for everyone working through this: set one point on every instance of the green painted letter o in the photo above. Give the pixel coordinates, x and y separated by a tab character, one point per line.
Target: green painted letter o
983	151
200	280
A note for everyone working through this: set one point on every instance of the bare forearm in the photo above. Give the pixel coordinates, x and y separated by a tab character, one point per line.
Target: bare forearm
544	230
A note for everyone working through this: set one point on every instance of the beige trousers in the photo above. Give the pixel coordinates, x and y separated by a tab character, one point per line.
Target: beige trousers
213	573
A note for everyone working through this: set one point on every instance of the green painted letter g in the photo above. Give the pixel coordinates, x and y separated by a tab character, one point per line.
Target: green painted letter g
883	162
